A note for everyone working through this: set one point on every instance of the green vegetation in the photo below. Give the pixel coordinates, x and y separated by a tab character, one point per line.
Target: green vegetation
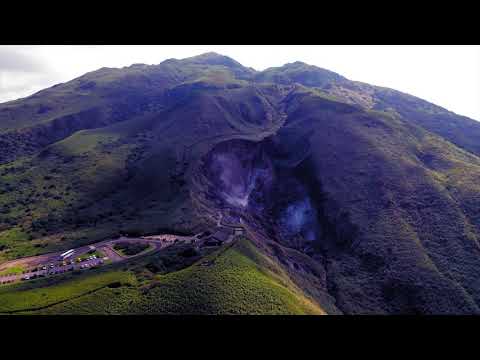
15	243
238	280
301	73
97	253
19	298
130	248
394	181
62	207
12	270
234	280
235	283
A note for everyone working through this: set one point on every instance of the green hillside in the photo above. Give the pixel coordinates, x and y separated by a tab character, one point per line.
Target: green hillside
240	280
357	199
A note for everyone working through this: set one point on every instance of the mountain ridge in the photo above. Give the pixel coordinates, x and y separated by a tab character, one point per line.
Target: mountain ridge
365	197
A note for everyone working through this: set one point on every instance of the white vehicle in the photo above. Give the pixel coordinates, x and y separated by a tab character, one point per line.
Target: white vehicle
67	254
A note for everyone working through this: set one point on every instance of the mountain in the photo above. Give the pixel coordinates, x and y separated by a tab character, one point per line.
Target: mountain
357	199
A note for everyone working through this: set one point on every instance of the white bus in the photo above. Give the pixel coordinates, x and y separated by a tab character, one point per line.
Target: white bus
67	254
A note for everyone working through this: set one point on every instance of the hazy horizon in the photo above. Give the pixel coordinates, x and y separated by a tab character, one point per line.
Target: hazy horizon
448	76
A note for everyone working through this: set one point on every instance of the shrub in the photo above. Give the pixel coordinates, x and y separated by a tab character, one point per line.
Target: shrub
129	248
189	252
133	232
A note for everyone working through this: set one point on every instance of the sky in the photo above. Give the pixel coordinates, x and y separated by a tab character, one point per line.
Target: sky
448	76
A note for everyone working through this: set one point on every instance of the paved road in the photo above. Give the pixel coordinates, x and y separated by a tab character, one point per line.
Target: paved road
49	270
53	262
158	242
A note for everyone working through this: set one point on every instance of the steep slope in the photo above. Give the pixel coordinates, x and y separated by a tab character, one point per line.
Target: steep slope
460	130
365	200
372	198
238	280
413	247
103	97
135	172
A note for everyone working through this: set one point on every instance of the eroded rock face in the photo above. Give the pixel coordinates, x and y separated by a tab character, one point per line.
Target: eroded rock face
247	179
371	205
238	169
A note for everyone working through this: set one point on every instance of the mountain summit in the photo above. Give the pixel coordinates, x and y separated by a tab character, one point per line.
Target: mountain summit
350	198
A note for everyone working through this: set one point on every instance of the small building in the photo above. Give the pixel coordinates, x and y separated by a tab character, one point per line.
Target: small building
223	234
238	231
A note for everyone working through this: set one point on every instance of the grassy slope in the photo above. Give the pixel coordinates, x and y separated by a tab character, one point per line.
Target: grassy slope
98	166
391	178
12	270
83	189
459	130
50	188
84	178
26	297
16	243
396	182
241	281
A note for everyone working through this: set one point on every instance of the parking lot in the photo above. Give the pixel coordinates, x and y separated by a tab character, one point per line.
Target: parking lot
52	263
54	268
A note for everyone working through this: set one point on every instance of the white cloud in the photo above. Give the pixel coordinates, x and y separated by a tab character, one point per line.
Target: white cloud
448	76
